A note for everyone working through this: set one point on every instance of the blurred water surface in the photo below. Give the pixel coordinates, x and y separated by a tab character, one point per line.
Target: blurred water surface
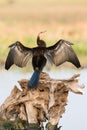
76	110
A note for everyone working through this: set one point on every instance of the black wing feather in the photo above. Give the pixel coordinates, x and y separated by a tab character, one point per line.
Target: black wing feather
18	55
62	52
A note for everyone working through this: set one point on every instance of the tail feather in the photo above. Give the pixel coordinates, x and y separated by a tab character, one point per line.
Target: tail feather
33	83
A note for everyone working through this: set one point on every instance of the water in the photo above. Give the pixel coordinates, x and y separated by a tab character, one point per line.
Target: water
75	117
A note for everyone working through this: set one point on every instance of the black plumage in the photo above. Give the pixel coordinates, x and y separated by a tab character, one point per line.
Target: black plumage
59	53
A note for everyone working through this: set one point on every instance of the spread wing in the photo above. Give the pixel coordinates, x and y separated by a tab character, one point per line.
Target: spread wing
62	52
18	55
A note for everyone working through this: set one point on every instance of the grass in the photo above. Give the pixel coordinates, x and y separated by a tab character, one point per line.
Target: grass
23	20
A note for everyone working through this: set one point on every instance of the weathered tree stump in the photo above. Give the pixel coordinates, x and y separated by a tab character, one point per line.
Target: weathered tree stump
47	102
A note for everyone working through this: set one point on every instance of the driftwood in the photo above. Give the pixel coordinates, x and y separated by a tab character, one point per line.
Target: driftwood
48	101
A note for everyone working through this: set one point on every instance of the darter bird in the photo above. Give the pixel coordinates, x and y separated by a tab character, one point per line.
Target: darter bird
58	53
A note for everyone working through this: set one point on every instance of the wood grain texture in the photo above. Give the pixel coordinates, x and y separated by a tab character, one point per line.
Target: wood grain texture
48	101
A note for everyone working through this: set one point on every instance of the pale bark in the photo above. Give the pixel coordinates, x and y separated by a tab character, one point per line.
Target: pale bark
48	101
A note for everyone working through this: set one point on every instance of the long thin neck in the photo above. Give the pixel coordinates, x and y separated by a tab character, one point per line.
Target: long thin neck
40	43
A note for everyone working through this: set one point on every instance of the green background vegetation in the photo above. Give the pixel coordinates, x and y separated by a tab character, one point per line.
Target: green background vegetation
22	20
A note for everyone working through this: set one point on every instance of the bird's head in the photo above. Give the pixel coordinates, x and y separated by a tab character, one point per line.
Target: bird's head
40	43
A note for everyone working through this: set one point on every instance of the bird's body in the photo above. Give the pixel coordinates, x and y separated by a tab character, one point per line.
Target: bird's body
57	54
38	63
38	59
